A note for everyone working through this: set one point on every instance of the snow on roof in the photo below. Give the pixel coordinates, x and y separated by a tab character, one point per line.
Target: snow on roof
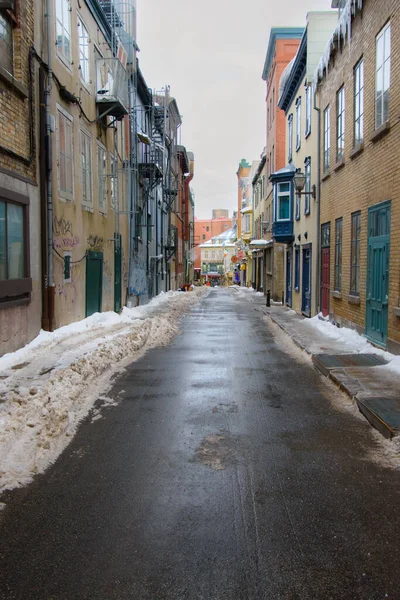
342	31
248	209
261	243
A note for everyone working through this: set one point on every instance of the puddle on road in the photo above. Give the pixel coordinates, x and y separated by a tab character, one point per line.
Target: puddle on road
215	451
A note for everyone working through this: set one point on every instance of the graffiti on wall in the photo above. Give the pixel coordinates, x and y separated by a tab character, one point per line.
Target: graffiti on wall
95	243
63	235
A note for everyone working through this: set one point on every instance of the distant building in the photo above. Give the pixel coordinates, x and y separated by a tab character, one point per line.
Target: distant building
216	257
205	229
220	213
242	175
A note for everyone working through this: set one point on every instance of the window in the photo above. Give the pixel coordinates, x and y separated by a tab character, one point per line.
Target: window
308	110
327	138
6	44
297	269
83	52
338	254
246	223
203	236
113	181
382	85
206	254
86	158
63	29
283	202
65	162
15	282
298	124
213	254
298	205
101	174
359	103
290	138
207	228
307	185
340	112
355	253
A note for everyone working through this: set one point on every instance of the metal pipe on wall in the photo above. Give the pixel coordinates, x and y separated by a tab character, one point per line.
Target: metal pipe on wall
50	282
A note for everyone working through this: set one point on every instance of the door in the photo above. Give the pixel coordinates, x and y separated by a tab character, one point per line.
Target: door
325	267
378	273
117	272
306	283
289	277
94	282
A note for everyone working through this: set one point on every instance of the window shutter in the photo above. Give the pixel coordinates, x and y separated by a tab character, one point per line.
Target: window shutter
67	266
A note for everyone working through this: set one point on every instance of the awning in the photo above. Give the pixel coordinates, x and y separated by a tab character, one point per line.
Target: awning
260	243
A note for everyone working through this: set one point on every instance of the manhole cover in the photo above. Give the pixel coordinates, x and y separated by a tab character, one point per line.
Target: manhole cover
327	362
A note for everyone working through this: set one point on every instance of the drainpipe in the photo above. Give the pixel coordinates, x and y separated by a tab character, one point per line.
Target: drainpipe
317	279
50	283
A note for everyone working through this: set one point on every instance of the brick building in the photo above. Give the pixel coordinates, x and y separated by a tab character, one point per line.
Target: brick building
282	47
204	230
358	95
20	269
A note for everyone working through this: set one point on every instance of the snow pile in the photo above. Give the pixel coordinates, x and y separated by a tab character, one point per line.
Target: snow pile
246	290
355	342
49	386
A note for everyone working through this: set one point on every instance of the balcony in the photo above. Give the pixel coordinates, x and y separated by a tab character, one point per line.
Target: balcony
150	161
282	227
112	95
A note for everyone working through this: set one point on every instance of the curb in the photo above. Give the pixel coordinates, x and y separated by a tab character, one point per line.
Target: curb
344	383
296	341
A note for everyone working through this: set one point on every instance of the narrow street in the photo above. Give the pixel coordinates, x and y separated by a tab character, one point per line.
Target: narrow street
226	471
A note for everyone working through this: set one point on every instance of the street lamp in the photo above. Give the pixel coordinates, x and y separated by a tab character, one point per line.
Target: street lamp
299	182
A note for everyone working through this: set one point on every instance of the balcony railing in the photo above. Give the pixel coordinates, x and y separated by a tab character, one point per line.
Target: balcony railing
111	87
150	161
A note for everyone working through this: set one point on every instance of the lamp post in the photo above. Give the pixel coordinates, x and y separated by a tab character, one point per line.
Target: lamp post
299	180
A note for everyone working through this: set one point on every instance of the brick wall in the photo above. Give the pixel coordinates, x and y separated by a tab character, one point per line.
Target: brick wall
15	117
371	176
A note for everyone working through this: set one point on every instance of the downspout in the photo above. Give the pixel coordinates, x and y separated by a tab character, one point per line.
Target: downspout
317	278
43	197
50	283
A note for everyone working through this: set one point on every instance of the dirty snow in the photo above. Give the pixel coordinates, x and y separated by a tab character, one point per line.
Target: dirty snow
50	385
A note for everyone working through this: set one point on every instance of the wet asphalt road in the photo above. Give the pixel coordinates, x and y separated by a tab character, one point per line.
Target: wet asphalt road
224	473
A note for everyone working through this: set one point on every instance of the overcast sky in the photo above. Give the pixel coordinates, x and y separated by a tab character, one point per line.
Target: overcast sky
211	53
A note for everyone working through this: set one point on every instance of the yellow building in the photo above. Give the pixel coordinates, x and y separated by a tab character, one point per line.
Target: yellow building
301	217
87	112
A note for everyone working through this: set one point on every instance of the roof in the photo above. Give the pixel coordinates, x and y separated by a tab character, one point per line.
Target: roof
261	243
287	171
294	76
279	33
223	239
248	209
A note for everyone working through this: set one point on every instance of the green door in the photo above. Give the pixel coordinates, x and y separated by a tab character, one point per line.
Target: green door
94	282
378	273
117	272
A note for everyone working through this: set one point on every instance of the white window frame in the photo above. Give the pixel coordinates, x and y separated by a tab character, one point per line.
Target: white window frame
86	154
84	51
205	254
327	138
359	102
278	197
382	72
63	24
290	138
113	181
340	122
67	194
102	178
298	124
308	110
307	186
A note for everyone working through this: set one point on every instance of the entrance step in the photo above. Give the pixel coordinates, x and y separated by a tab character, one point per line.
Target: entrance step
327	362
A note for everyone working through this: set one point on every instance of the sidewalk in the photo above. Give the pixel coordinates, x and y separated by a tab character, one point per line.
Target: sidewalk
370	376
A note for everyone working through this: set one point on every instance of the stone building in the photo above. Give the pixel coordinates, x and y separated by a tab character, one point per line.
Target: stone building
21	203
358	95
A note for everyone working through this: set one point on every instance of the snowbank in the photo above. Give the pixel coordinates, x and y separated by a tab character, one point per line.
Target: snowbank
355	342
49	386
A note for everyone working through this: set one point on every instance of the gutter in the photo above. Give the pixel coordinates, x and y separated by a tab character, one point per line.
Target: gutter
318	201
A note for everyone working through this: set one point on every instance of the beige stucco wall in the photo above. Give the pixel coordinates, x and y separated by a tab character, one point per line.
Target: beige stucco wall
76	228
